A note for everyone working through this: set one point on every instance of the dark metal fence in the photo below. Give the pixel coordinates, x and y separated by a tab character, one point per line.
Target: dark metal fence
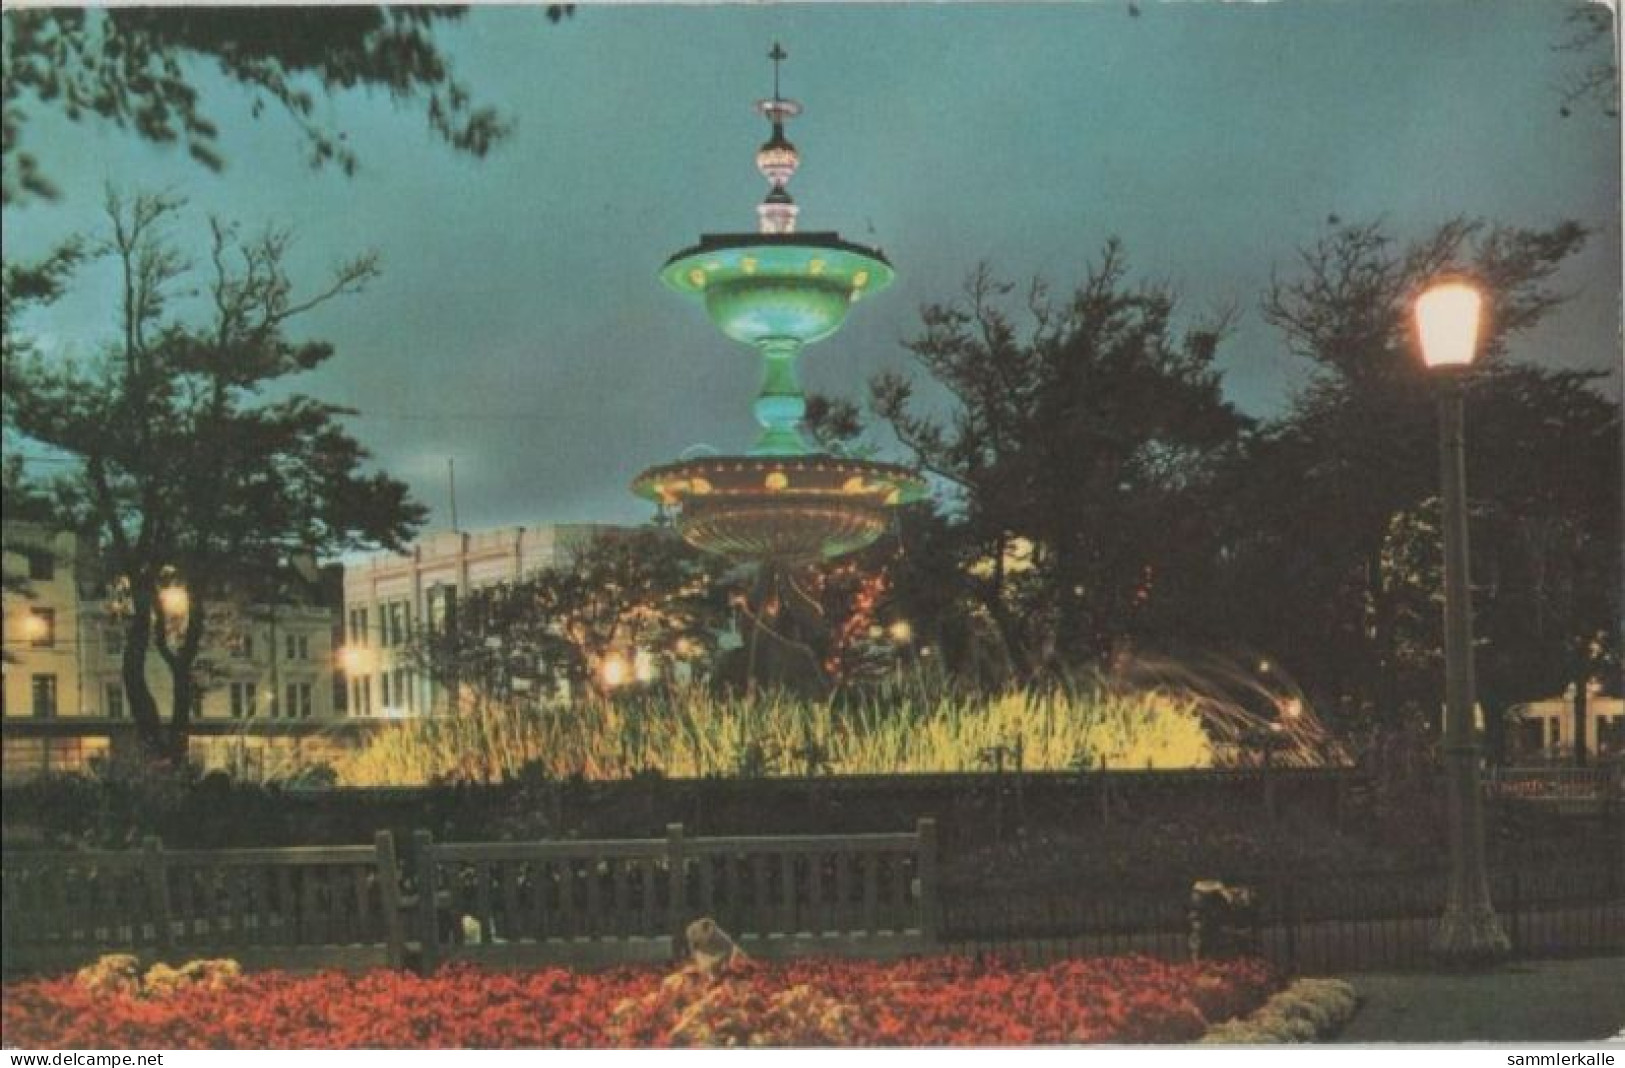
1353	921
584	902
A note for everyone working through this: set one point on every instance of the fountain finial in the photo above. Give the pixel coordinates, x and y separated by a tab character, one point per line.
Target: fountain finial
777	159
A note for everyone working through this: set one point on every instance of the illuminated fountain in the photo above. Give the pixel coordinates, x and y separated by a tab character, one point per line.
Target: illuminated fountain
785	503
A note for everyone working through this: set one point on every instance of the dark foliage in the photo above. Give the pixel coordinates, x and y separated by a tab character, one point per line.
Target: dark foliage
137	68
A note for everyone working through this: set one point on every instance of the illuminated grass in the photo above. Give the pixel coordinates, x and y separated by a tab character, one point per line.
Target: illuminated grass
902	728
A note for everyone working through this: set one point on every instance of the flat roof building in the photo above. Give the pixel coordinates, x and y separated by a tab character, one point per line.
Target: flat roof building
389	597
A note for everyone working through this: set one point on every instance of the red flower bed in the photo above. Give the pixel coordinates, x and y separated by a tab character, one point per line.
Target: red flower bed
935	1001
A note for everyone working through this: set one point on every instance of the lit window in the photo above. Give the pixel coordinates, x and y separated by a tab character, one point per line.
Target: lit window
40	627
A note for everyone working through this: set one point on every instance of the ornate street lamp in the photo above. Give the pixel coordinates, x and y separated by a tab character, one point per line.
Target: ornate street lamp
1449	317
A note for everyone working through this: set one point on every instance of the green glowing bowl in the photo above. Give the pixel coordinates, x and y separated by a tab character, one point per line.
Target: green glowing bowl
761	286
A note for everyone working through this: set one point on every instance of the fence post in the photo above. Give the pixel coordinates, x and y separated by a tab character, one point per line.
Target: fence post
1105	798
930	924
678	895
428	901
157	879
1516	910
389	896
1289	920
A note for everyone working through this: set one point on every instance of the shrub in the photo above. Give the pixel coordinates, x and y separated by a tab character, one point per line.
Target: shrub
1308	1010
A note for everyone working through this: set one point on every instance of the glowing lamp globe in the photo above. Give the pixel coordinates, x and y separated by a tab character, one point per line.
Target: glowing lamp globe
1448	317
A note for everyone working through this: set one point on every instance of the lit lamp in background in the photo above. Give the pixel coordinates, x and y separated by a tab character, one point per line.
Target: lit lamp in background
613	671
173	601
35	628
355	660
1449	319
901	632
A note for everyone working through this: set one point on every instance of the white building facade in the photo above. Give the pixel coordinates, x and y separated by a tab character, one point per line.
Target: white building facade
390	597
1546	728
44	632
261	664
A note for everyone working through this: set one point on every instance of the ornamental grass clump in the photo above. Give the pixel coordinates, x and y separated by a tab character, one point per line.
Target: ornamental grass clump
688	732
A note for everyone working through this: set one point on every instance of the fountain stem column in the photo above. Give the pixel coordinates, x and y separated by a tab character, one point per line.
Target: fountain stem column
780	406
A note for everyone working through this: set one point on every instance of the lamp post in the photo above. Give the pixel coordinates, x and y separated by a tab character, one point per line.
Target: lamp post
1448	318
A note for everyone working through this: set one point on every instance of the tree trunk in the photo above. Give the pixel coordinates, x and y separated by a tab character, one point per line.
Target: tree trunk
183	682
149	726
1580	699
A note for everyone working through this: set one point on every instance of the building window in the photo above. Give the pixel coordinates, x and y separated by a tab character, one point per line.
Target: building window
45	696
242	645
113	697
384	681
41	565
358	627
365	702
299	704
442	606
395	621
242	699
41	626
1610	735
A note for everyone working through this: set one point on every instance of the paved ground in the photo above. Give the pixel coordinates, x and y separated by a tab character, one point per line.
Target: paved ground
1530	1001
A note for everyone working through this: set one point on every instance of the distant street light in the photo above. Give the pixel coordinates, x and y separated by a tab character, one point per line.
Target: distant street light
355	660
174	601
613	671
1449	318
36	628
902	632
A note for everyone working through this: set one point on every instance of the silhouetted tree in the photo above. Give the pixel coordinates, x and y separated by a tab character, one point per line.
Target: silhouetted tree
138	68
1594	82
1332	513
1078	445
188	475
621	593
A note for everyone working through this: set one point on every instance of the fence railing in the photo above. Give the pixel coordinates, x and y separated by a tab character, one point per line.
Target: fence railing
586	902
598	901
1599	789
1350	921
314	906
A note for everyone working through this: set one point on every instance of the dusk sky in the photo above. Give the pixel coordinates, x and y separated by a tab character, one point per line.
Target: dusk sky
519	326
